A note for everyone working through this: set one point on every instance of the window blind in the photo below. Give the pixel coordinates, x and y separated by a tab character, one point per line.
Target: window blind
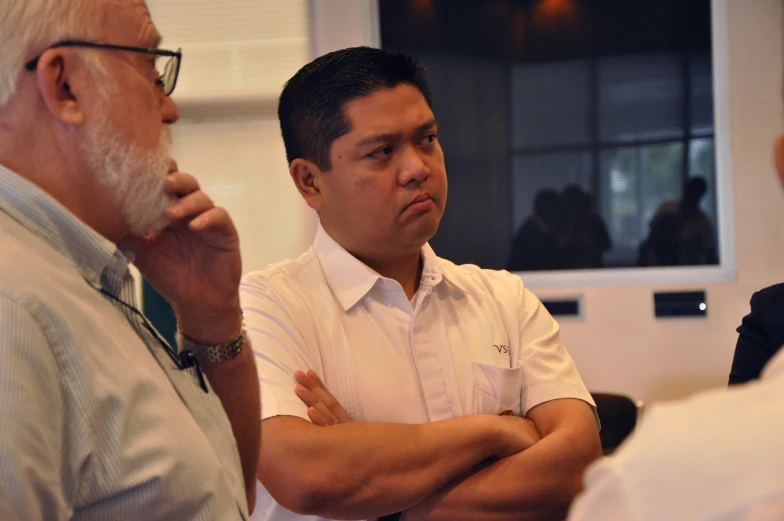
234	49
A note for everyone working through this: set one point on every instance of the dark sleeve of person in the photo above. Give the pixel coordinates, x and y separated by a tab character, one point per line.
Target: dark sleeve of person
760	335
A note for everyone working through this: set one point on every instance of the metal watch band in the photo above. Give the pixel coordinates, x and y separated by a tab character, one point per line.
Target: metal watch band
216	353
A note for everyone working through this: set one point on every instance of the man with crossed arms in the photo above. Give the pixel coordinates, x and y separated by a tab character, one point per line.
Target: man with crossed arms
423	355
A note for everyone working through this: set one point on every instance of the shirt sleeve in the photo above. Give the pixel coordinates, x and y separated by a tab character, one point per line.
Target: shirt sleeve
278	347
549	371
604	499
32	439
676	467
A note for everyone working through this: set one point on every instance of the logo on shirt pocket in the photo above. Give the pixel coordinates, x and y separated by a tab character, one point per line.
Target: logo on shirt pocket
502	348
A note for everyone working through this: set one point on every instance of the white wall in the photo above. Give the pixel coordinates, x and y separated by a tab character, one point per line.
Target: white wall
229	136
242	165
620	346
236	56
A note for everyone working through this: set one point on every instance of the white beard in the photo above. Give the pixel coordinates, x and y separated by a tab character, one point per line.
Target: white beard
135	177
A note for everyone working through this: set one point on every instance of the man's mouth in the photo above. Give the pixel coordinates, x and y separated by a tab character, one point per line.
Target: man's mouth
421	203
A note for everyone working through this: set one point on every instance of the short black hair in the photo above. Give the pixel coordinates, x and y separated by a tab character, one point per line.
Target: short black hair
311	106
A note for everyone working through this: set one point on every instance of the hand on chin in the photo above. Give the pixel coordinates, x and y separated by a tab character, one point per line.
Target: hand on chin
194	259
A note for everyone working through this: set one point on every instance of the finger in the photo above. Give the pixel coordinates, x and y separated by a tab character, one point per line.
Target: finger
331	402
136	244
316	418
312	392
321	415
313	402
315	377
307	397
321	390
216	219
311	381
321	418
180	183
191	205
303	379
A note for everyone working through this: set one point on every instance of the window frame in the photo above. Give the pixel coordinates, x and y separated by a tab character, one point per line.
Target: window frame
367	27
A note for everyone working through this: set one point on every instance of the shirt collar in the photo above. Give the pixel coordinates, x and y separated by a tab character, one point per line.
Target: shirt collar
436	270
43	216
350	279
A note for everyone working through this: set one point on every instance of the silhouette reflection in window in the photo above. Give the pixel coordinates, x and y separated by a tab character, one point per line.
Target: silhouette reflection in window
564	232
538	244
585	235
681	234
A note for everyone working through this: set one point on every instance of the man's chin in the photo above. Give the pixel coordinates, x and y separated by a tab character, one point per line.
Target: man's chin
159	225
147	228
422	234
150	217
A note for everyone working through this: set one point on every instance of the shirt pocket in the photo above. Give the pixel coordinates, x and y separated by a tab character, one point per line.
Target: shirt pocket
497	389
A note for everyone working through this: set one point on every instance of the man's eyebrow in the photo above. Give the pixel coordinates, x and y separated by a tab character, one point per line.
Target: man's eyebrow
158	41
378	138
426	126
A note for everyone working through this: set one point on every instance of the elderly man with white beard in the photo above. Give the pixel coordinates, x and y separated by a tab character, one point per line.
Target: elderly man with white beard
101	418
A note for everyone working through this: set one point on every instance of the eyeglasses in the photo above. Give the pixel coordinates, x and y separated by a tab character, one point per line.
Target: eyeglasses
168	71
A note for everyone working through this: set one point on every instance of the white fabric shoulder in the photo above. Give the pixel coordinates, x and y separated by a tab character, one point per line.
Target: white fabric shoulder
716	456
286	317
291	269
470	277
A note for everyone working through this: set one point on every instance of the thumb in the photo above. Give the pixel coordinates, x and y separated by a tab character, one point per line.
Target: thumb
137	244
141	247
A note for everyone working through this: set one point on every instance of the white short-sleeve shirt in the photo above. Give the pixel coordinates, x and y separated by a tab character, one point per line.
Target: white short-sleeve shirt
718	456
470	341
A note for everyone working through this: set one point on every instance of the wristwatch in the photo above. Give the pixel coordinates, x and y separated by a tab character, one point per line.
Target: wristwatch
215	353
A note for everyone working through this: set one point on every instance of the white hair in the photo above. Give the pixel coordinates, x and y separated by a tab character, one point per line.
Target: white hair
134	176
27	27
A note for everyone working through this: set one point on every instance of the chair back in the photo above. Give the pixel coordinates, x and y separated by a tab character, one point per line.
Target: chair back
618	415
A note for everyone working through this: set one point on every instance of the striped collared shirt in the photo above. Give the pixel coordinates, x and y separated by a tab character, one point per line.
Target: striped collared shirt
96	420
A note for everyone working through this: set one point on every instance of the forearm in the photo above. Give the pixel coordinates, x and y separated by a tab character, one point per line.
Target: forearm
537	484
364	470
237	385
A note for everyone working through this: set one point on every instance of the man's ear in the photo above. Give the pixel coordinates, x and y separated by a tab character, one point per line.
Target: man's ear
307	177
60	77
778	156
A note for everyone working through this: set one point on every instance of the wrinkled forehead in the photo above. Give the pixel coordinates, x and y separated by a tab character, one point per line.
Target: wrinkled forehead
128	22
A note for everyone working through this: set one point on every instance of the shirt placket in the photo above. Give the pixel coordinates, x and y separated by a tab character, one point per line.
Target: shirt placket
427	363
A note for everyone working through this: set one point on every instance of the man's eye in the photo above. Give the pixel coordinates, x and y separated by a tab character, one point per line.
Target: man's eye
381	153
429	139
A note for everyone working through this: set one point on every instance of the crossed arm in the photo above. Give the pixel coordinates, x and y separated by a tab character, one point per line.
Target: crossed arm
368	469
535	484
